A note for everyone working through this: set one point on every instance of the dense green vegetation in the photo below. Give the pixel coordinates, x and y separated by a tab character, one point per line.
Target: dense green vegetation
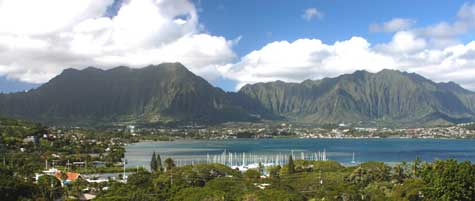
164	93
307	180
389	98
169	94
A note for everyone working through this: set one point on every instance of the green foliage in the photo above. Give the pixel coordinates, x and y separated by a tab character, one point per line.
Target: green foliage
13	188
153	163
387	98
169	164
198	194
369	172
290	165
274	171
142	178
162	93
275	194
449	180
50	187
252	174
409	190
233	187
374	181
158	161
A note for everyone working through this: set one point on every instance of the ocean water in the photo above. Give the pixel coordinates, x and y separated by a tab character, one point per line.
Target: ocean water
341	150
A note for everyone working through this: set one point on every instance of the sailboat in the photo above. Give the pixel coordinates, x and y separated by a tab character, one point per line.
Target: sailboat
353	160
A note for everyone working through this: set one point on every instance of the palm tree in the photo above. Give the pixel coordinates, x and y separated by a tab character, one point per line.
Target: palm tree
399	173
169	164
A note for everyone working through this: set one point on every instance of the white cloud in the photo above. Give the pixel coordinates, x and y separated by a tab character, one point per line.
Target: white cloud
306	59
396	24
439	35
311	13
403	42
312	59
432	51
38	39
445	34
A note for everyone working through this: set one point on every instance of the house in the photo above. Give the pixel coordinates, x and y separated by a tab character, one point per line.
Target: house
70	177
98	164
79	164
32	139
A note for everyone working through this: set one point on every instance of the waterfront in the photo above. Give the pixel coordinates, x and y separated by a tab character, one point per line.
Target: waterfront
341	150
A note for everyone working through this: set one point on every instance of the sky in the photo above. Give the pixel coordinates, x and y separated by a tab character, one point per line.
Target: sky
232	43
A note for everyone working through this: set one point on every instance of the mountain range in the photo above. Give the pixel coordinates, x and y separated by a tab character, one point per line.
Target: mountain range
170	93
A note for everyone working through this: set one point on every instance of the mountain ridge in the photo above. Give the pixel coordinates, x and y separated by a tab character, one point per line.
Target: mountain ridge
156	93
364	96
169	92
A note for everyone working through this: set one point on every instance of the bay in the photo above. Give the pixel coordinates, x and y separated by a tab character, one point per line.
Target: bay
385	150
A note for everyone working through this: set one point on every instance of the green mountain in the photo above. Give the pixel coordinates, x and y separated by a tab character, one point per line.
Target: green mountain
164	93
169	93
388	97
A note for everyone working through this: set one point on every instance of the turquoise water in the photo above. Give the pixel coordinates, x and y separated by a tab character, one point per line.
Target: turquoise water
341	150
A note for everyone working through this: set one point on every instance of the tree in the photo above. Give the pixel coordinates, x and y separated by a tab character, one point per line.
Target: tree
159	162
141	179
274	171
260	168
198	194
169	164
291	165
153	163
415	167
409	190
252	174
232	187
398	174
369	172
14	188
50	187
449	180
276	194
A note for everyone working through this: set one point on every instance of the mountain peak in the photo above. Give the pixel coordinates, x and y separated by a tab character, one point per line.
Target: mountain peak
163	93
389	72
92	69
389	95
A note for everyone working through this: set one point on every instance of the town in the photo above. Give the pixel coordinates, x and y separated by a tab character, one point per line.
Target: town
282	130
96	156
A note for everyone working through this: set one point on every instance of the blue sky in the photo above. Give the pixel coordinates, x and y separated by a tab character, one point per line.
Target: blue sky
261	22
232	29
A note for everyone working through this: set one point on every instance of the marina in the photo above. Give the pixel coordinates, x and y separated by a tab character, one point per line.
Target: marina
242	153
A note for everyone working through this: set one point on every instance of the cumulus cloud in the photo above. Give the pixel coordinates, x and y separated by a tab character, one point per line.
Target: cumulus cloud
311	13
439	35
312	59
306	59
396	24
38	39
414	49
403	42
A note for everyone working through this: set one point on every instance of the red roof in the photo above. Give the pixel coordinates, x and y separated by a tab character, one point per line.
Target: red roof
71	176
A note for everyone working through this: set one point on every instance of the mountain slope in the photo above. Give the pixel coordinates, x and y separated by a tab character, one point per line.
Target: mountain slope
170	93
388	96
164	93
